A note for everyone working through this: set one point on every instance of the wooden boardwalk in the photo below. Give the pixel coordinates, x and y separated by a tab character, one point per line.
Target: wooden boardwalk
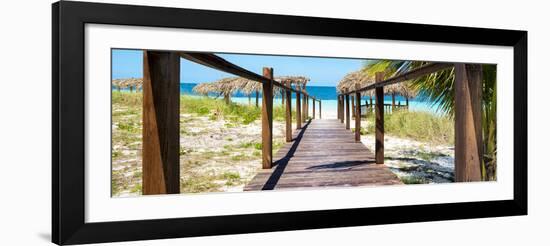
323	154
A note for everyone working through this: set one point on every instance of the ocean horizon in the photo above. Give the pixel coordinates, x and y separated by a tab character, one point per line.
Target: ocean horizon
327	94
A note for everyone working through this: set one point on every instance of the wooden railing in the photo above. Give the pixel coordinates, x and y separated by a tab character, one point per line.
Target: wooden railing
467	113
161	74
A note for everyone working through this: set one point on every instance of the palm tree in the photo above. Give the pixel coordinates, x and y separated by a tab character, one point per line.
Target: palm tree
439	89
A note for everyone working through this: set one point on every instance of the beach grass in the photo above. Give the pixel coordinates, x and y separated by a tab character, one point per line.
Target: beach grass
416	125
231	132
201	105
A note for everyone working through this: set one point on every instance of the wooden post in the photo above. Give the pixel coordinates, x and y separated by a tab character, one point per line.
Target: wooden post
407	103
371	104
257	98
313	108
304	108
267	119
320	112
338	107
161	119
298	110
347	111
468	138
342	109
283	93
352	106
288	118
379	148
357	114
307	107
249	100
392	102
226	99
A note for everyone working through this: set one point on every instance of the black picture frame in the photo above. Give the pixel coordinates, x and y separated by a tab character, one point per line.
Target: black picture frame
68	110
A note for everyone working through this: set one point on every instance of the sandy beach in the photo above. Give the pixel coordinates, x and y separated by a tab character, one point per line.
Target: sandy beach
219	153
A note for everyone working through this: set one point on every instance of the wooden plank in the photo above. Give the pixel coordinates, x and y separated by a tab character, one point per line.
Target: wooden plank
324	154
347	112
298	110
288	118
161	142
358	115
468	138
379	145
267	119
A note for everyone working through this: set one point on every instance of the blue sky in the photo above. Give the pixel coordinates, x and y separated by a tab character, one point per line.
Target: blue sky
321	71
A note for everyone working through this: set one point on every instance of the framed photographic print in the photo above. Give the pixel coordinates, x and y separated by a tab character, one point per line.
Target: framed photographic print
175	122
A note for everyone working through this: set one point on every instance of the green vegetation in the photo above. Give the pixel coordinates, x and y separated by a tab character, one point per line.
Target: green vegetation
203	170
422	126
412	180
439	89
194	183
203	106
428	156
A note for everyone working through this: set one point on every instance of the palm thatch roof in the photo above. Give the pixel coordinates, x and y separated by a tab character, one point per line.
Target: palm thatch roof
297	80
128	82
225	86
230	85
348	84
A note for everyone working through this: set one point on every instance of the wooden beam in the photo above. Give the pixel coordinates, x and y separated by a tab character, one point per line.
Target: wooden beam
298	110
358	115
468	138
216	62
379	146
347	112
267	119
161	141
413	74
288	118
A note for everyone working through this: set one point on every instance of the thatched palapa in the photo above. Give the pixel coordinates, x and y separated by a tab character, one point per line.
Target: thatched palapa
132	83
229	86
